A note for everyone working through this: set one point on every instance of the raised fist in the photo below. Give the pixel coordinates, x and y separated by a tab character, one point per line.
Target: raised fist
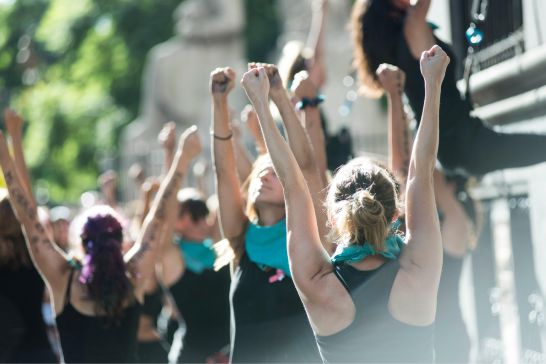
434	64
303	86
275	82
222	81
256	85
392	78
190	143
167	136
14	123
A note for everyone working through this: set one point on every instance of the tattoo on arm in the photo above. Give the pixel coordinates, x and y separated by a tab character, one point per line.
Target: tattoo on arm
407	152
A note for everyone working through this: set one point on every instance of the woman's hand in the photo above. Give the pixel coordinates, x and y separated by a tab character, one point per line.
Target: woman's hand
392	78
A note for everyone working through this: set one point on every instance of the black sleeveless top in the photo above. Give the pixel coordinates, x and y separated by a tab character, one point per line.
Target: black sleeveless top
203	301
454	109
153	304
375	336
269	323
23	290
91	339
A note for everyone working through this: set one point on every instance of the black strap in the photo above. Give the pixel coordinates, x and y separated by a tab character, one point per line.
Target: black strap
68	287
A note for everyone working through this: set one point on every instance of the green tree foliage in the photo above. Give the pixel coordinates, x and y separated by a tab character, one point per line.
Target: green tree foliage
73	69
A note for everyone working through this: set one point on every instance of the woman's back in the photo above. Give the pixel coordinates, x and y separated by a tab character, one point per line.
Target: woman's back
88	338
375	335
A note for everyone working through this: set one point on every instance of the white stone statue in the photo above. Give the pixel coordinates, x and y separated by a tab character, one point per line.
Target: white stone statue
176	76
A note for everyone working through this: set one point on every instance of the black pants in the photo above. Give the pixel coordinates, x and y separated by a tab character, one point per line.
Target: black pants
475	149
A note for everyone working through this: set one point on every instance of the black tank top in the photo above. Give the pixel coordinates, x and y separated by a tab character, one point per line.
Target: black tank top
269	323
90	339
24	289
375	336
153	304
203	301
454	110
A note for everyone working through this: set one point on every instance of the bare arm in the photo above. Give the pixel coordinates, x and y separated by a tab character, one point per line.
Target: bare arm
301	147
107	182
400	144
167	140
143	254
14	126
231	210
315	41
50	261
302	87
419	11
248	115
421	261
309	262
242	159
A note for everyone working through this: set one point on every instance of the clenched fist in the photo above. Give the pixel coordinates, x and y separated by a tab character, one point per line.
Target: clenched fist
434	64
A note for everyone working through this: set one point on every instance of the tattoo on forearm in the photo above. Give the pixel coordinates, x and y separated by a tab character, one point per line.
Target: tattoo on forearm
406	141
8	176
171	187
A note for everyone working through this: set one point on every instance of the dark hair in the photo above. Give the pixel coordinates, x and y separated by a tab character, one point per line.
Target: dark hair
192	202
376	27
13	251
103	269
362	201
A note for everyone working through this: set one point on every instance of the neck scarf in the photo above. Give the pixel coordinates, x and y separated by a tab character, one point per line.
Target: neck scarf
355	253
266	246
198	256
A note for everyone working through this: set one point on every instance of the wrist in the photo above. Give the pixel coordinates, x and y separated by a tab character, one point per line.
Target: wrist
260	103
433	84
220	98
278	95
313	102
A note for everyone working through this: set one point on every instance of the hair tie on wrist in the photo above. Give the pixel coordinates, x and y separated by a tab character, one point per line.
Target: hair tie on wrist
306	102
223	138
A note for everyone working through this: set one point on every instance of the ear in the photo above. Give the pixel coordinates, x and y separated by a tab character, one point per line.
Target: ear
395	216
182	222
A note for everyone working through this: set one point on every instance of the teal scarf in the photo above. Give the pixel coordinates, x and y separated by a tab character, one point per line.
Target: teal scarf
355	253
198	256
266	246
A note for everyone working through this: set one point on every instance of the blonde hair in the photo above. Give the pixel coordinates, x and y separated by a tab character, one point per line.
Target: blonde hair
362	201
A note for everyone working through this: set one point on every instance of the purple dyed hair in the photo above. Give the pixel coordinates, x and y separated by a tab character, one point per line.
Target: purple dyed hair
103	268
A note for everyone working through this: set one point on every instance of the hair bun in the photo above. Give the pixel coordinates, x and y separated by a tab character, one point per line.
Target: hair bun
365	203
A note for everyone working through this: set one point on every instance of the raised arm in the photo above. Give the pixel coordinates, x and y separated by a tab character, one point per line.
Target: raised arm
301	147
107	182
167	140
315	42
242	159
303	87
309	262
421	261
393	79
14	126
142	256
231	210
50	261
248	115
419	11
